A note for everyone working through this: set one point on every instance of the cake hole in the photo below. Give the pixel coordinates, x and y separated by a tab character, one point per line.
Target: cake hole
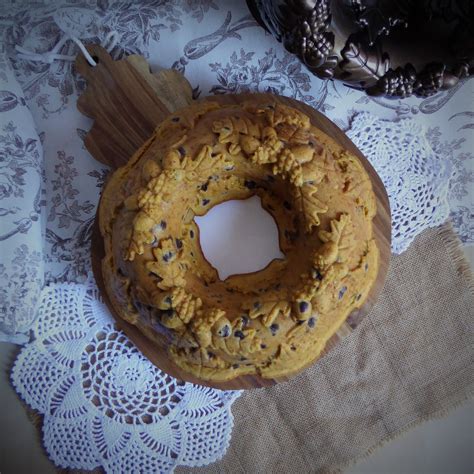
239	237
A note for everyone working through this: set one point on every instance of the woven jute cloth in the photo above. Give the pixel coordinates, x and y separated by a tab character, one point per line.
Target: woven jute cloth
410	360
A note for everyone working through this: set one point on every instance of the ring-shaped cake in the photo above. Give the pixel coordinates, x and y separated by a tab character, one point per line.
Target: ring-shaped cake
272	322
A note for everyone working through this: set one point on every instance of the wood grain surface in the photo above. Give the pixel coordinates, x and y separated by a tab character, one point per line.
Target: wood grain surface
124	100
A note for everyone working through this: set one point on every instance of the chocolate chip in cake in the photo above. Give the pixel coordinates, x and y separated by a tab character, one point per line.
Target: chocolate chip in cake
245	320
120	272
191	234
167	315
204	187
179	243
205	202
303	306
274	328
175	119
366	266
300	322
168	256
211	355
224	331
239	334
249	184
358	297
235	366
163	225
342	292
311	322
256	305
316	274
182	151
287	205
263	346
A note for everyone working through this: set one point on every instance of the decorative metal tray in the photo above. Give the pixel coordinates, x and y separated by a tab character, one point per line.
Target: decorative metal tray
394	48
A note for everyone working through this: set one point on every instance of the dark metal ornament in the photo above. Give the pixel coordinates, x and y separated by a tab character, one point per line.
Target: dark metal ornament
394	48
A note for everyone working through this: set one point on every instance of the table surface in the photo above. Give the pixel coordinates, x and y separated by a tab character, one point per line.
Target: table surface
437	446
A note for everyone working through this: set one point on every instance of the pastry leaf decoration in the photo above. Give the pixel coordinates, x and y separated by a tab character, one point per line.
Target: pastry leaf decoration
309	205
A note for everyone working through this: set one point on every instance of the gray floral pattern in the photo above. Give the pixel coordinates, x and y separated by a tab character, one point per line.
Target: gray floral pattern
461	186
70	220
269	74
21	206
463	221
138	24
18	276
50	86
64	204
198	47
16	155
277	74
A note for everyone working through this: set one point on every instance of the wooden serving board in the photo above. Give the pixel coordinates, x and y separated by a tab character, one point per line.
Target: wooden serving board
127	102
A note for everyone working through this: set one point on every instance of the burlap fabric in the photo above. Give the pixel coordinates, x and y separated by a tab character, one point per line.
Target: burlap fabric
410	360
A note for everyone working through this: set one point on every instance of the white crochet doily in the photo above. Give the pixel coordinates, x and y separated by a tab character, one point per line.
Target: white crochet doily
104	404
416	178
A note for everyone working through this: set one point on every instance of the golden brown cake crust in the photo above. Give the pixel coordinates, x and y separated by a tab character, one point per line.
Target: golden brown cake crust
272	322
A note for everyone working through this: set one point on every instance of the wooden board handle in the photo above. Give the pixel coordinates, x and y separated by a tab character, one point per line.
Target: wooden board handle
126	101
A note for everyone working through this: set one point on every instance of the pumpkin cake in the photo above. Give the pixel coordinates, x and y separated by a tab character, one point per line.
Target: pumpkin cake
272	322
